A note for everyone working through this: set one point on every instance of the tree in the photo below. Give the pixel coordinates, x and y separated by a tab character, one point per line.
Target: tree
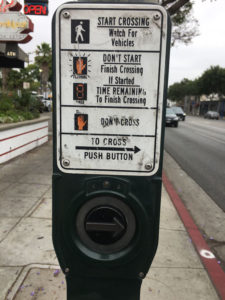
5	73
31	74
186	87
16	78
213	81
175	92
185	26
44	60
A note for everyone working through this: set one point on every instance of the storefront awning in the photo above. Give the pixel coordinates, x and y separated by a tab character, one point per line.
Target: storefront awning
12	56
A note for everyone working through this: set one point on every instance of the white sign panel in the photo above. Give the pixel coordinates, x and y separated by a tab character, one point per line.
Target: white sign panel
110	66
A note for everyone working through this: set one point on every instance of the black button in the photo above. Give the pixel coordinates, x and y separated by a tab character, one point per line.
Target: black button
105	225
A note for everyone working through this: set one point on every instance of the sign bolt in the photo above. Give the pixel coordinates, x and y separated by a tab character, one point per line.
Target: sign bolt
67	270
66	14
106	184
156	17
148	166
141	275
66	163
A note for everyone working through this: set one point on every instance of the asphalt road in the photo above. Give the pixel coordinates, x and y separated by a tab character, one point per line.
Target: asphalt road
198	146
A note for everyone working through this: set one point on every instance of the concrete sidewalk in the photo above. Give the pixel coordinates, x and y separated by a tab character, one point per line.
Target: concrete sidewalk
28	264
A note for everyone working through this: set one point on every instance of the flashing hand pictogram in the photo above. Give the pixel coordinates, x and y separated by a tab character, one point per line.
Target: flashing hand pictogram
80	66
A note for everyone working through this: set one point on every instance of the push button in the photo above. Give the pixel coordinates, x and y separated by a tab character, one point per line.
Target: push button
105	225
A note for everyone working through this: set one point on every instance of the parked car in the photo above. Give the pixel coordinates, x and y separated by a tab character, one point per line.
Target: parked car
179	112
47	102
171	118
212	115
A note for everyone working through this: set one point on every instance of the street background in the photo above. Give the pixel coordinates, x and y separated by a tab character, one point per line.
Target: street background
28	264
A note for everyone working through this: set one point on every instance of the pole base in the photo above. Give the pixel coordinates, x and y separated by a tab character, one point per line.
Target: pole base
103	289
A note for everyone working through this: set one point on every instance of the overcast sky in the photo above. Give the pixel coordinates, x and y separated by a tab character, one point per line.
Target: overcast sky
190	61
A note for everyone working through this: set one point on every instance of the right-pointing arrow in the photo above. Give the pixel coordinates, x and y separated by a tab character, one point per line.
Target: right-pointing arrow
135	149
116	227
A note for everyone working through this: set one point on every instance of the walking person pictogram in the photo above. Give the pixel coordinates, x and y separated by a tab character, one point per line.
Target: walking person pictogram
78	29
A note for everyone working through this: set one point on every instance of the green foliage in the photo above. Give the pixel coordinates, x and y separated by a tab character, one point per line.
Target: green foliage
181	15
211	81
14	80
12	116
15	109
22	103
43	60
29	74
43	54
6	104
179	90
34	85
35	105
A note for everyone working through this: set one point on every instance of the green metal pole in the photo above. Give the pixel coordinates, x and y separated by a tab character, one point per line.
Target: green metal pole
115	274
102	289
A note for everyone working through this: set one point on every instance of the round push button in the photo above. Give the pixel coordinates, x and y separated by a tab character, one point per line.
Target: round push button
105	224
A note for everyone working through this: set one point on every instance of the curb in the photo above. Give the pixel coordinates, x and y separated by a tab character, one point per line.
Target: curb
9	126
207	258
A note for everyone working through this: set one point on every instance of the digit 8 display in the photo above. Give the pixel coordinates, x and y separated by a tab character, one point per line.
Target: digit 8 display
80	91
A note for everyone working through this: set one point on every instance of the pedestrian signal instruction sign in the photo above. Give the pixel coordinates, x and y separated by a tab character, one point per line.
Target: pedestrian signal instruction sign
110	70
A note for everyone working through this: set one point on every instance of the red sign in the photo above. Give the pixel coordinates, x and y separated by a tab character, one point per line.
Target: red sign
36	9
